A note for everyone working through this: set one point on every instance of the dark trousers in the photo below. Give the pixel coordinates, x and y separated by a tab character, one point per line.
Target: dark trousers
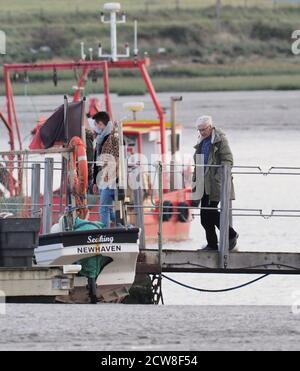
211	219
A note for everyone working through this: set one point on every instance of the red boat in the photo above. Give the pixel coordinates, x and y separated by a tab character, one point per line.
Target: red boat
145	137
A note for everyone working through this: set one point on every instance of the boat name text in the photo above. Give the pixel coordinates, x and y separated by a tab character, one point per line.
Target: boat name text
98	249
100	239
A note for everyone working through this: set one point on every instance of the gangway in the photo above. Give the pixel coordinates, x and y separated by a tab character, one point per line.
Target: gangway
224	261
160	260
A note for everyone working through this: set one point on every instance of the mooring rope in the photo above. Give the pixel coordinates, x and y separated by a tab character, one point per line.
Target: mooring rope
216	291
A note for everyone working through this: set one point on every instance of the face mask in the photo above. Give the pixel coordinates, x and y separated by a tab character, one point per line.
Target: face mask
97	130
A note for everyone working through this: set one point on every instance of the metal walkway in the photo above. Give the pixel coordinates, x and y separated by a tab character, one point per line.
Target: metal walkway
196	261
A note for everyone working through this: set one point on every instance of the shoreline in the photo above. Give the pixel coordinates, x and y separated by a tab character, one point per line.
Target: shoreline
134	86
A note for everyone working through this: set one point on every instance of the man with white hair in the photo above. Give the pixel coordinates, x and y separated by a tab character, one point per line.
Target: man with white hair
214	150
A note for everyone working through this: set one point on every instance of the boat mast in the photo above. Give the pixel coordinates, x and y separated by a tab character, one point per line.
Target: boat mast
109	61
113	9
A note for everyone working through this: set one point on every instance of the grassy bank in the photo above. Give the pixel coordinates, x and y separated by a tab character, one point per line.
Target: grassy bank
134	86
67	6
249	48
261	75
191	34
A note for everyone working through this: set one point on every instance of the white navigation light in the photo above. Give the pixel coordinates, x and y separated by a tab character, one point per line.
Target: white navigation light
134	107
112	7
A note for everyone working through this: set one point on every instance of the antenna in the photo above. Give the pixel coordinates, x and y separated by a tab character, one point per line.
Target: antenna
113	9
91	53
83	55
135	49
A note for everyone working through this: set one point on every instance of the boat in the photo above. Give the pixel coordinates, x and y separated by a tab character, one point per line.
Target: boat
107	258
145	137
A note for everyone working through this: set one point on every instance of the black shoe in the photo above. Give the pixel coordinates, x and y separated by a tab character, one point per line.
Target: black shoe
233	242
210	248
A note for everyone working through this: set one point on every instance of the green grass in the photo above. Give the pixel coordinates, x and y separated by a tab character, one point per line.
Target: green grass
252	51
258	67
263	74
276	82
65	6
134	86
189	33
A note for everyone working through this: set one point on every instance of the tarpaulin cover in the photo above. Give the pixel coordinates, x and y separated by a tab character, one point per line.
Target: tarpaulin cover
91	267
53	129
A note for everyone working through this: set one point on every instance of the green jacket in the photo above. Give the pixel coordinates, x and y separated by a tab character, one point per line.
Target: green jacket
220	153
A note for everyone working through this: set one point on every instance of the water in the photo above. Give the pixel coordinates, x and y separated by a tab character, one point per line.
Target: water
262	128
122	327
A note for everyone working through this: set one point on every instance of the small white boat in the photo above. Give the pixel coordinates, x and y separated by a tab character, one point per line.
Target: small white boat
117	251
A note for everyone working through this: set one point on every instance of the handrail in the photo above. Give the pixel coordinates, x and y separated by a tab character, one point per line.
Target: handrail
156	207
35	152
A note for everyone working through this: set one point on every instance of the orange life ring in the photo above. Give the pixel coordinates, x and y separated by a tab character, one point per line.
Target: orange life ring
78	173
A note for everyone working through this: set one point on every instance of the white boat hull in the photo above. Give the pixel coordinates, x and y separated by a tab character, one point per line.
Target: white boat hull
121	245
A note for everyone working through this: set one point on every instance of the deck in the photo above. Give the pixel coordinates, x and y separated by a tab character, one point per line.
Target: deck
35	282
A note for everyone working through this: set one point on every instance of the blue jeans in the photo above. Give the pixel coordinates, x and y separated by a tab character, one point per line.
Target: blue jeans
107	196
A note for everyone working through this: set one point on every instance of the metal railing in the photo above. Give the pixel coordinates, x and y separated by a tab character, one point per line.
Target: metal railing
155	206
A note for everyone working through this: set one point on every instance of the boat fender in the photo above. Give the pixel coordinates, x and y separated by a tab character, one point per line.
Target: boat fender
79	225
183	212
167	210
59	226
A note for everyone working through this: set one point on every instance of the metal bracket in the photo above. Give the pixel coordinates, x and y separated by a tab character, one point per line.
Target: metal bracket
156	288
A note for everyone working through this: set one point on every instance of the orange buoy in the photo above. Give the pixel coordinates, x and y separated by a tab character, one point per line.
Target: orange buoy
78	174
